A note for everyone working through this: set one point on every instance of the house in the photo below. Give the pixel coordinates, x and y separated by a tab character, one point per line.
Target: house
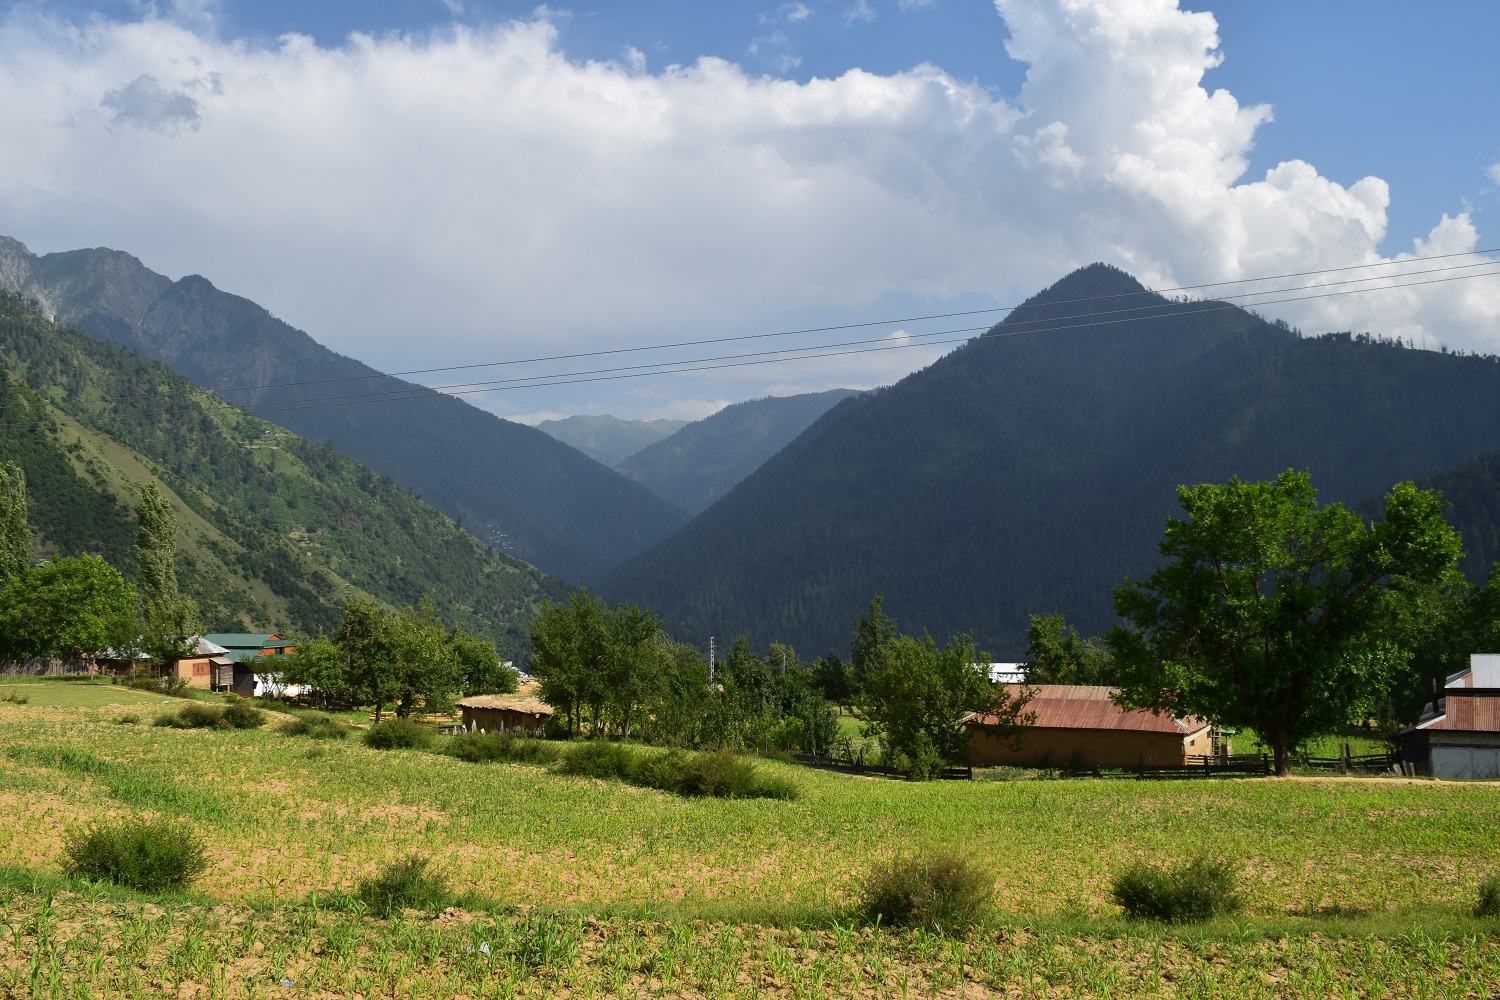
253	662
203	669
496	712
1458	735
1079	726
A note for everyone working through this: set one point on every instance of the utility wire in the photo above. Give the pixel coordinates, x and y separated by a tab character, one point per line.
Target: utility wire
423	392
1048	325
518	381
883	322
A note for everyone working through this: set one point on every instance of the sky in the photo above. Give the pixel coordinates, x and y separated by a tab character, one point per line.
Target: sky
432	183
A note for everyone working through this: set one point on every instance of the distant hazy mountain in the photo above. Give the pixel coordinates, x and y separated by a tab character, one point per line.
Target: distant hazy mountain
274	531
704	460
1031	469
608	439
511	485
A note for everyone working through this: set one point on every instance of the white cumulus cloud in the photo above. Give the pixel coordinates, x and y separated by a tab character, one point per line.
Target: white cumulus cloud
473	194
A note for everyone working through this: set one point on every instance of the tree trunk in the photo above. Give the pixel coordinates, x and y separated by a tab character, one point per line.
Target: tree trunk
1281	753
378	707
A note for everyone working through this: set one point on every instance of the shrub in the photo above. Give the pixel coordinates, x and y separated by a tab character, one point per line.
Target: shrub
150	855
240	714
175	686
944	893
662	770
1489	898
128	719
236	714
721	775
1187	893
599	759
398	734
478	748
316	726
403	885
15	697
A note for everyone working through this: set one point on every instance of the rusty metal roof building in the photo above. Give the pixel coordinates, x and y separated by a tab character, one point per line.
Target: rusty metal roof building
1458	735
1083	706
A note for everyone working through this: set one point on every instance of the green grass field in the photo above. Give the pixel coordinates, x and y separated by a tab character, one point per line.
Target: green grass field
1354	887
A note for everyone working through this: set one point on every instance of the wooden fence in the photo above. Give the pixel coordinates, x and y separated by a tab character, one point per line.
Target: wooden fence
1243	765
1352	763
855	764
51	667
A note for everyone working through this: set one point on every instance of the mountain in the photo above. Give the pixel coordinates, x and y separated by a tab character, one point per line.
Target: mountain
704	460
1032	468
274	531
514	486
606	439
1472	490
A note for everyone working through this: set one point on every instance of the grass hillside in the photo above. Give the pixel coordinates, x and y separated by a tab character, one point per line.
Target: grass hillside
1031	469
275	531
580	887
511	485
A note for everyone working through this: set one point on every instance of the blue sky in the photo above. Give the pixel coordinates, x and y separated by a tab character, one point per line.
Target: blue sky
1355	90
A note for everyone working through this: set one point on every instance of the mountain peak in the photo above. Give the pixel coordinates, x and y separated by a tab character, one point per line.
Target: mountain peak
1094	280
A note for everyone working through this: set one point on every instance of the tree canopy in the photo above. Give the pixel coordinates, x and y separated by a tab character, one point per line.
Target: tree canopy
1274	613
69	607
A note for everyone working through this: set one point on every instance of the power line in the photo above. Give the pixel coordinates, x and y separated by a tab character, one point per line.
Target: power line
663	366
764	358
423	392
884	322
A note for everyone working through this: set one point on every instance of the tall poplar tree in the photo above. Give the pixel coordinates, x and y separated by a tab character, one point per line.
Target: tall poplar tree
170	619
15	536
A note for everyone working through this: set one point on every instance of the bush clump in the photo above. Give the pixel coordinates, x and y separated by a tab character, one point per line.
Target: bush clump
155	855
478	748
944	893
1489	898
234	714
398	734
15	697
1186	893
172	685
405	885
599	759
315	726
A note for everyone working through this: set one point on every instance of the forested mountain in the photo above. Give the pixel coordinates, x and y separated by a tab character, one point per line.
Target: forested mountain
274	531
1472	490
608	439
512	485
704	460
1031	469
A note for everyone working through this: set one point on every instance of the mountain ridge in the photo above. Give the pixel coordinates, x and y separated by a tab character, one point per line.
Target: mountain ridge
1031	469
522	491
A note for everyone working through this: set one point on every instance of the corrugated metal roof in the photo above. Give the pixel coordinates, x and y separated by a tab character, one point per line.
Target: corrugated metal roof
1077	706
1465	706
242	640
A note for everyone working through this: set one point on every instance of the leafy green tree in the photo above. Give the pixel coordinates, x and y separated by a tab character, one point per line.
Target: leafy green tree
425	668
1055	654
480	670
568	648
916	696
1273	613
169	619
872	634
834	679
321	665
368	643
634	664
15	534
74	606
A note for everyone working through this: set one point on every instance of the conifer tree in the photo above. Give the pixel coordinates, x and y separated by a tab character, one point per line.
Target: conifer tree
15	536
169	618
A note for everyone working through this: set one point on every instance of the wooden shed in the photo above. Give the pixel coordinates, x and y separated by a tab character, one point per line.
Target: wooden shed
1079	726
505	712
